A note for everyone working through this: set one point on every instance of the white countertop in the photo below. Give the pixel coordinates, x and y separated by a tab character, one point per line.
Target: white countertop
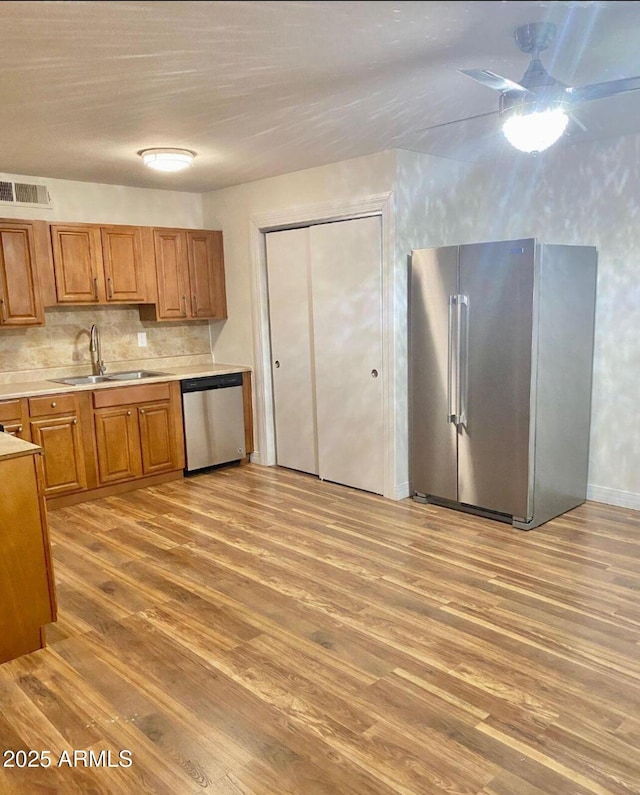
33	388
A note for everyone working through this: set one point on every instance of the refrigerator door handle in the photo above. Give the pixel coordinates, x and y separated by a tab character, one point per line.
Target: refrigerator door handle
462	358
451	409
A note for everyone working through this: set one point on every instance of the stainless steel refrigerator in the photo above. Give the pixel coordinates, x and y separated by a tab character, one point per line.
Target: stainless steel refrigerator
500	363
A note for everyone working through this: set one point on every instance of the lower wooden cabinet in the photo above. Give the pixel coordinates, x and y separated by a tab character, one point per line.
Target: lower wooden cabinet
27	588
138	431
14	417
117	444
55	427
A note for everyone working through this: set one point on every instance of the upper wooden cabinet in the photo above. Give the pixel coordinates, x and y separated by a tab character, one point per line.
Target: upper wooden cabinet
20	303
99	264
189	276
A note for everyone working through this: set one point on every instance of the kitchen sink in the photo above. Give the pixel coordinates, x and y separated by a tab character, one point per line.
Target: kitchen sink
81	379
128	375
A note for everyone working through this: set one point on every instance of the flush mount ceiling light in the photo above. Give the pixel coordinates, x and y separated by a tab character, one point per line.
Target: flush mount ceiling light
536	130
167	159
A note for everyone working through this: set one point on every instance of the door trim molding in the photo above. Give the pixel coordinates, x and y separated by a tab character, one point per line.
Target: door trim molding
304	215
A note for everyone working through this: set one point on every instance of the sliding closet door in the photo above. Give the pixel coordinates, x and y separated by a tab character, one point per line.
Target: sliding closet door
292	349
347	328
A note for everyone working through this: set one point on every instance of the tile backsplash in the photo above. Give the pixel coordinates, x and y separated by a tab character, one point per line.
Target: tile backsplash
61	346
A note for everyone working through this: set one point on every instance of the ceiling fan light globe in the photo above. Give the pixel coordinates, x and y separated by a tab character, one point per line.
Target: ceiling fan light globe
535	131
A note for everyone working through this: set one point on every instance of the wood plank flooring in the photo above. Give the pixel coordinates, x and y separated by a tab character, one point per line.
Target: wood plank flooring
255	631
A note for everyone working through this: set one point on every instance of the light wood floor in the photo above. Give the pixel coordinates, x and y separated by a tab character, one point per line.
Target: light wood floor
255	631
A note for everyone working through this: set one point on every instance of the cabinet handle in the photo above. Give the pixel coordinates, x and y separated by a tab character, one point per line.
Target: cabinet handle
141	411
53	404
195	304
74	422
184	303
1	310
128	413
95	287
277	363
19	429
110	287
374	374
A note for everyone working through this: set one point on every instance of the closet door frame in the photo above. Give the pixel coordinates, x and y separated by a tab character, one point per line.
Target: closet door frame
394	278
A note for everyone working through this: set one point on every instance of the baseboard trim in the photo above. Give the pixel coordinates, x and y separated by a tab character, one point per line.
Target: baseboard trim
623	499
401	491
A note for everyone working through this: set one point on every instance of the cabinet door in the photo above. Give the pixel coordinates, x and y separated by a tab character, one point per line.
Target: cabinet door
14	418
27	590
157	439
172	273
206	275
19	294
123	263
64	469
118	444
77	262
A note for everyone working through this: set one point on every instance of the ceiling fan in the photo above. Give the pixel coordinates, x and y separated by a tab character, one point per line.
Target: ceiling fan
536	110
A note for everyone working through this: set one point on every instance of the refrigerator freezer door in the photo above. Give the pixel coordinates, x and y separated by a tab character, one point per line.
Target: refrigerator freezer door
493	442
434	280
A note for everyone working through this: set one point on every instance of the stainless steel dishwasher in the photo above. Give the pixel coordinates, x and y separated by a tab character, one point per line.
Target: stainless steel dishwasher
213	420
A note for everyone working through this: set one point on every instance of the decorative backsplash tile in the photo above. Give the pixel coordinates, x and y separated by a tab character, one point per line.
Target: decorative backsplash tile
61	346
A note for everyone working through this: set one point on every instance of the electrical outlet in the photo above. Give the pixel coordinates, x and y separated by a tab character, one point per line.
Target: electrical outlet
142	339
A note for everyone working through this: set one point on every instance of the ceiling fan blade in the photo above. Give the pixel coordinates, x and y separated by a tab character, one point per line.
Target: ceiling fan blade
577	121
602	90
494	81
458	121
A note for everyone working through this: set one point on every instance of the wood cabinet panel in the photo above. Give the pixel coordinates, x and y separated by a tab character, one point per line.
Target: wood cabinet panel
27	589
10	410
52	404
138	431
124	271
77	263
60	439
171	272
20	303
189	276
206	275
15	419
117	444
156	438
146	393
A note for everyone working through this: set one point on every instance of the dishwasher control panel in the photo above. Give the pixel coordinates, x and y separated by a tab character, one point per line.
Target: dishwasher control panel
211	382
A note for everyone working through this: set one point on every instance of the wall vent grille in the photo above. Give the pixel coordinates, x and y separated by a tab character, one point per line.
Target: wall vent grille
24	194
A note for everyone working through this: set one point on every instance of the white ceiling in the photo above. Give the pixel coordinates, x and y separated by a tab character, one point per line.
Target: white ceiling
265	88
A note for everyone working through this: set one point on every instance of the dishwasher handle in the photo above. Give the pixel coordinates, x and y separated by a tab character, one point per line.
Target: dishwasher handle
210	382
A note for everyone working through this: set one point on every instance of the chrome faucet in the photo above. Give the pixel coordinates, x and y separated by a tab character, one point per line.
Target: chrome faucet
97	363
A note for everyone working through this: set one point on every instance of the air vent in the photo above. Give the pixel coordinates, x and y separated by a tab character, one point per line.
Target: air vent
24	194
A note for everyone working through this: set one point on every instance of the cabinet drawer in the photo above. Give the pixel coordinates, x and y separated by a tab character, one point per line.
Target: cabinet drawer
149	393
10	410
52	404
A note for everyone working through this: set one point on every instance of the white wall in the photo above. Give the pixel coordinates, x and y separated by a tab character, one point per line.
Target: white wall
89	202
230	209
